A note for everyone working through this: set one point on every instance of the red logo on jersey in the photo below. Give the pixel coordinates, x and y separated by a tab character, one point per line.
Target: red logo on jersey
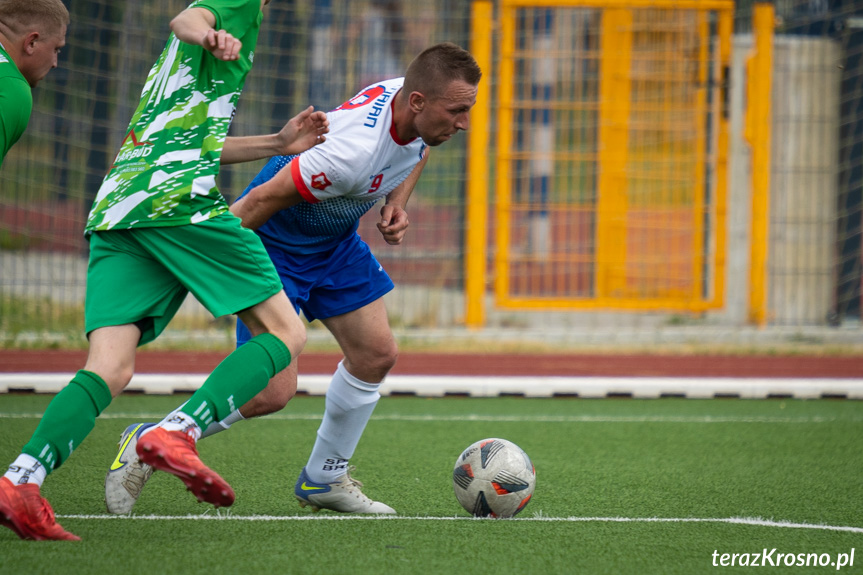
363	98
138	150
320	181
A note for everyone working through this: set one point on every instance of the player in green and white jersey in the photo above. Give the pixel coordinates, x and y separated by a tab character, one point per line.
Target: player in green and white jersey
32	32
165	171
159	229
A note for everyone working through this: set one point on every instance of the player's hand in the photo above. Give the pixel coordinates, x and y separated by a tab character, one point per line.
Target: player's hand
222	45
394	222
306	129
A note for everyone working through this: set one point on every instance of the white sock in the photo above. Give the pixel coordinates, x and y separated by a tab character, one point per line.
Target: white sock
178	420
212	429
167	417
26	469
349	406
218	426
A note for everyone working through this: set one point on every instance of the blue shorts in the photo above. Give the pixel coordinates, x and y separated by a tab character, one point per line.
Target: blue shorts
329	283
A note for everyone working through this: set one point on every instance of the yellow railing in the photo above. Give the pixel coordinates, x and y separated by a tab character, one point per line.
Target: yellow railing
610	156
759	68
478	169
615	86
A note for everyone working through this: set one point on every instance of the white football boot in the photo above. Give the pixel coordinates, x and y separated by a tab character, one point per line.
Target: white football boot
128	474
342	495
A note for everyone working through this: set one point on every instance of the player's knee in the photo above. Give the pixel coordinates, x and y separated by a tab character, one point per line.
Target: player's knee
121	378
390	356
115	377
294	339
381	359
280	398
293	336
276	317
270	402
272	398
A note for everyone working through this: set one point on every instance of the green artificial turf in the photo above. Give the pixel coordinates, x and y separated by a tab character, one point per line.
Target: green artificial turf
623	486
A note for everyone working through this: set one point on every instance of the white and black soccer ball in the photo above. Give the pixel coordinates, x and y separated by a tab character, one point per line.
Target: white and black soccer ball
493	478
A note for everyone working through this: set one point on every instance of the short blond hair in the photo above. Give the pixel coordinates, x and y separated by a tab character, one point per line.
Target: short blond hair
17	17
437	66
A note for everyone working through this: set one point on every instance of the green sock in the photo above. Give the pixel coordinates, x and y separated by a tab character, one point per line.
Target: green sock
68	419
238	379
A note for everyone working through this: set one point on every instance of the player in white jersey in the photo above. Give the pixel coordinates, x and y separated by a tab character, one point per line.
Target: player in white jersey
306	209
365	163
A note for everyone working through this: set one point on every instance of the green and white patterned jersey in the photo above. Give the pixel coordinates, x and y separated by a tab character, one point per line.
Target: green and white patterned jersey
165	172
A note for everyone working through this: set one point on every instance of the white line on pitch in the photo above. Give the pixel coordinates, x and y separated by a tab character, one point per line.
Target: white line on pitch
501	418
753	521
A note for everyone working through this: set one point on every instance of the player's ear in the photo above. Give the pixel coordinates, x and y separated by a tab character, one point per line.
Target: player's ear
417	102
29	42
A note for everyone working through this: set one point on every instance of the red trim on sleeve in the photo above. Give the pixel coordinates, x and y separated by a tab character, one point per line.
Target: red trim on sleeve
300	184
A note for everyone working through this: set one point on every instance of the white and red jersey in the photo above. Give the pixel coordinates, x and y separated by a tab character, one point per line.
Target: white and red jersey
363	156
361	161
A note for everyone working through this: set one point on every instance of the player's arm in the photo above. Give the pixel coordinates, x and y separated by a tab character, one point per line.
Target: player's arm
306	129
277	193
394	219
196	26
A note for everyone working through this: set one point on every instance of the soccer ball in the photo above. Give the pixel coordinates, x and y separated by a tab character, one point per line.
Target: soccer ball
493	478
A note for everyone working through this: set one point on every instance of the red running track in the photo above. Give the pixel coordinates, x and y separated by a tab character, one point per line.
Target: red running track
610	365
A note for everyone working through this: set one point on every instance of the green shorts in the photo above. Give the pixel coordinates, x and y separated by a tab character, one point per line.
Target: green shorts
141	276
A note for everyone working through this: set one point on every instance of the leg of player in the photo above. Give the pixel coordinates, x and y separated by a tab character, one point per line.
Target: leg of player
279	335
273	398
279	391
128	474
129	471
68	419
370	352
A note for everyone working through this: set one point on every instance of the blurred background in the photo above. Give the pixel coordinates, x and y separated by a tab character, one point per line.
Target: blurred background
636	173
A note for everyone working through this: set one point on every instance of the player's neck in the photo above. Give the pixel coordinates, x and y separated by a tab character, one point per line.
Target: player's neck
403	118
